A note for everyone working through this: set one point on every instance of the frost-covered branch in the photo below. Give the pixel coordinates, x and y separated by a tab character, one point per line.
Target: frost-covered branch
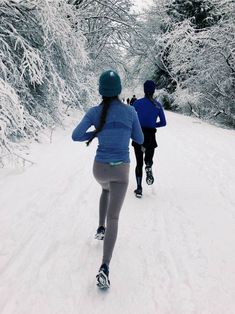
44	67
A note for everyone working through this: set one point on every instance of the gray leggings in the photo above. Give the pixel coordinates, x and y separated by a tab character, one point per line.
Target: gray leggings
114	181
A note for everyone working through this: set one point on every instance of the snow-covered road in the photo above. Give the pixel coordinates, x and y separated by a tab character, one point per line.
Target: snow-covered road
175	252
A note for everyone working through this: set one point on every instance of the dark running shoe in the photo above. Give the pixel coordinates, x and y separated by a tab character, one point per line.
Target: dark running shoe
100	233
138	192
149	175
103	277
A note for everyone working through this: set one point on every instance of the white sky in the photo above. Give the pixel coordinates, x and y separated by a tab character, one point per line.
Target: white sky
141	4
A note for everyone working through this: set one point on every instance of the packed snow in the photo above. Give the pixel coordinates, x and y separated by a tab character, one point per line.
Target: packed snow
175	250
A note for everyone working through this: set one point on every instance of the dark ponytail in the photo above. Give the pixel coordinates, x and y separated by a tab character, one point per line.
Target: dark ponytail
150	98
105	106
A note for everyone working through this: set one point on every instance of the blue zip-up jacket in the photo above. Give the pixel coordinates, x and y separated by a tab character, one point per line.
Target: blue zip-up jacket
149	113
121	125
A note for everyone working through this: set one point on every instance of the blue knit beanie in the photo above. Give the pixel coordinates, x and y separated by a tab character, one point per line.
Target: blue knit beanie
149	87
110	84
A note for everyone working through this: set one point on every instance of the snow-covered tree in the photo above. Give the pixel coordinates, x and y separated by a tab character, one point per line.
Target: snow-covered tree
106	25
190	51
201	13
204	64
44	66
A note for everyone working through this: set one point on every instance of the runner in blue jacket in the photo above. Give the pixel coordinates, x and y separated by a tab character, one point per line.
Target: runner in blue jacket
115	124
149	112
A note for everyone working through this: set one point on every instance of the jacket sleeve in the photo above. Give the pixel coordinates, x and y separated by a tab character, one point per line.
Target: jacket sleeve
162	118
136	134
79	133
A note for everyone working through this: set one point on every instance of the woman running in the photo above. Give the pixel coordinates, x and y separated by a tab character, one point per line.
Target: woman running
115	124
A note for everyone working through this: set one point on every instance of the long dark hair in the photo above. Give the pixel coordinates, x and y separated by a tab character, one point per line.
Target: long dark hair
150	98
105	107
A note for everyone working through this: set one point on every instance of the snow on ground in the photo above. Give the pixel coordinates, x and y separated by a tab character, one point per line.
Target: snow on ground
175	251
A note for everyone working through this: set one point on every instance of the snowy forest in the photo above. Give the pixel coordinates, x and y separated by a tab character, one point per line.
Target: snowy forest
53	51
174	252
